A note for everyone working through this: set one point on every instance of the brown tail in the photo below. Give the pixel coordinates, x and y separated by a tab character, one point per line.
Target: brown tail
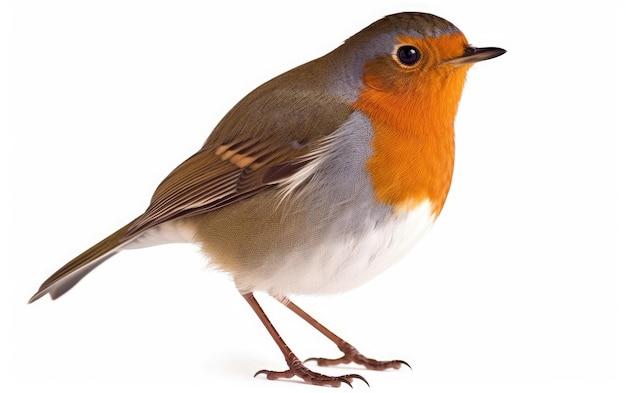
73	271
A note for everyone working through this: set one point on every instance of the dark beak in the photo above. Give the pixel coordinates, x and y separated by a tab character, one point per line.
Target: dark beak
474	55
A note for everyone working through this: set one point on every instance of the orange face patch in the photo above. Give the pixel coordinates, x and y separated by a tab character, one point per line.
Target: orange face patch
412	111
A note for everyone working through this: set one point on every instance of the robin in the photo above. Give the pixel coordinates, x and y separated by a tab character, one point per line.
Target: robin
319	179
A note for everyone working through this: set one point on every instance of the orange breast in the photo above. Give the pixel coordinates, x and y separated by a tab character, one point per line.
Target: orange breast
413	143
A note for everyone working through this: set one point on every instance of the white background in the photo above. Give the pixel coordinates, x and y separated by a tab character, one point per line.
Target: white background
514	290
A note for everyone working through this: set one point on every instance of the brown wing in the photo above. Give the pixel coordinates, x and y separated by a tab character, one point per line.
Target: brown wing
215	177
266	138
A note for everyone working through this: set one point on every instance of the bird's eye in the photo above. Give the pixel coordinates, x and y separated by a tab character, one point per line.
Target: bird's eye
408	55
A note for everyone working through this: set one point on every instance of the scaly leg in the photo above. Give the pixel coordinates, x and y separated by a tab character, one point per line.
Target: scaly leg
296	368
351	354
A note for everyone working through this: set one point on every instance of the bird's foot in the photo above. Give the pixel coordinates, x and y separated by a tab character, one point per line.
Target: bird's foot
352	355
297	369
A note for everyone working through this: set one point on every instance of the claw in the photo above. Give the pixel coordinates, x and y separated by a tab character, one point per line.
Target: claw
357	376
297	369
351	355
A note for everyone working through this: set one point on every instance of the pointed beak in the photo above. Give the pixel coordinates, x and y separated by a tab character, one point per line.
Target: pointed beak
473	55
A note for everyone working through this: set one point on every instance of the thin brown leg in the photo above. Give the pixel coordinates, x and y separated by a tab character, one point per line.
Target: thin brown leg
296	368
351	354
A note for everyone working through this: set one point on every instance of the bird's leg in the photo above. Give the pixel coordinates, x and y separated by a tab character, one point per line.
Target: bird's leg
296	368
351	354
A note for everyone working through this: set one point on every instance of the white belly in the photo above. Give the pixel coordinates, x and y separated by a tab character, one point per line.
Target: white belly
345	262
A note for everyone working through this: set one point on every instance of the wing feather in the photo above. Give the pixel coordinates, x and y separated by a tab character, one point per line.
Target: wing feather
263	142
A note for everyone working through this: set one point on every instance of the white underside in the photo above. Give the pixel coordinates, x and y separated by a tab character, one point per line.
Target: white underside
343	263
168	232
340	263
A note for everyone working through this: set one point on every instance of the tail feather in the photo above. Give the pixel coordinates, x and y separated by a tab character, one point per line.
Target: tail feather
73	271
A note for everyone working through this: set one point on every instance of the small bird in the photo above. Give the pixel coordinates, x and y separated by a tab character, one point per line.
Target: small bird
319	179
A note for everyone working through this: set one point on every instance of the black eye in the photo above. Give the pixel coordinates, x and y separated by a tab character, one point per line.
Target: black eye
408	55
